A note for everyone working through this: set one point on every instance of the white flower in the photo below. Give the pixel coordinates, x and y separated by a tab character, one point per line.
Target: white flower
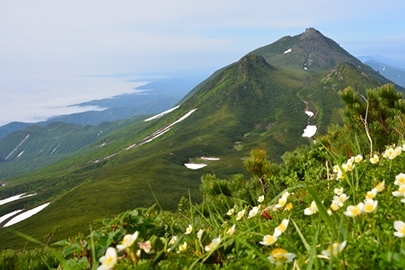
371	194
230	212
380	186
400	179
109	260
400	227
279	256
146	246
231	230
341	199
370	205
189	229
268	240
336	168
261	199
312	209
253	212
173	240
240	214
213	245
400	192
335	205
128	241
334	249
200	233
358	158
182	247
281	202
338	191
374	159
281	228
354	210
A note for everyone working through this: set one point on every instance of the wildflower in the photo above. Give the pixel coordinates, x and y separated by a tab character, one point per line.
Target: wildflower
128	241
334	249
371	194
398	151
389	153
146	246
288	206
336	168
338	191
340	175
240	214
213	245
182	247
231	230
109	260
400	192
354	210
380	186
279	256
370	205
173	240
374	159
286	194
341	199
335	206
189	229
281	228
347	167
261	199
358	158
400	227
400	179
312	209
230	212
281	202
268	240
200	233
253	212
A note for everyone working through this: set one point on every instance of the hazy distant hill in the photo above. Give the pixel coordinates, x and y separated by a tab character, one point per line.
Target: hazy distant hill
259	101
395	74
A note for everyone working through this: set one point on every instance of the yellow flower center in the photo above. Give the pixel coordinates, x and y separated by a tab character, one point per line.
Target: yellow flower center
269	239
368	207
402	230
289	206
279	255
108	260
355	210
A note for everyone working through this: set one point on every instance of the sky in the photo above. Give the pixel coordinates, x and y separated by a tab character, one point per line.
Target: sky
55	53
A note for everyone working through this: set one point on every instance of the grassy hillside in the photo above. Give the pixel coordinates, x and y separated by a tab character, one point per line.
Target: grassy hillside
36	146
320	209
249	104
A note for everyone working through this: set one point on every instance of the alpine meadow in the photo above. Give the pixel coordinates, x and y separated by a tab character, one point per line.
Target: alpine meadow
225	179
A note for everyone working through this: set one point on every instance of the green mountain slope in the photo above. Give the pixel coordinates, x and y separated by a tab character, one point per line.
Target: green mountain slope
35	146
251	103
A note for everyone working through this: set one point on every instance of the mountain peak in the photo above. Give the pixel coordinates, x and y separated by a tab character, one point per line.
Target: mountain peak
311	33
309	51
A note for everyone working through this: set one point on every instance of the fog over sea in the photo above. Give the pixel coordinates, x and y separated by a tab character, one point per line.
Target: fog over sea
38	97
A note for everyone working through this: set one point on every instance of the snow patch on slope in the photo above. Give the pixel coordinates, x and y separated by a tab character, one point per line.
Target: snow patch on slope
26	215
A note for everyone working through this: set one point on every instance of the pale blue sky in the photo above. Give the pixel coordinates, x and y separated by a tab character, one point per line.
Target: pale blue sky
91	37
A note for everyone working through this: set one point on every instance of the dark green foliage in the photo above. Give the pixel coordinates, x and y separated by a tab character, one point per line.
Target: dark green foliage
372	121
